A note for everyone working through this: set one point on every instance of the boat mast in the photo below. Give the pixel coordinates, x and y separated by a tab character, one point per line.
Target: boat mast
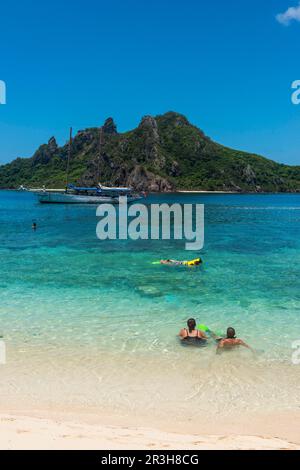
99	153
69	158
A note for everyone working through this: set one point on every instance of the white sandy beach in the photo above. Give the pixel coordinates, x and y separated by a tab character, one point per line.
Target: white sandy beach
45	407
206	192
19	432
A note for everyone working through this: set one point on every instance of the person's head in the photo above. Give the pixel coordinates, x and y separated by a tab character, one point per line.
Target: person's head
230	333
191	323
197	262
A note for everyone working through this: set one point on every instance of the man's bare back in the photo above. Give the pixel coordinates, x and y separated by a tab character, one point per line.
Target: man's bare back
231	342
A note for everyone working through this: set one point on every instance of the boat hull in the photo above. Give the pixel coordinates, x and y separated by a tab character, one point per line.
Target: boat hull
64	198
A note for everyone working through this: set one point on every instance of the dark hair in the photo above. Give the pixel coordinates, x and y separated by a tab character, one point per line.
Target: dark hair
191	323
230	333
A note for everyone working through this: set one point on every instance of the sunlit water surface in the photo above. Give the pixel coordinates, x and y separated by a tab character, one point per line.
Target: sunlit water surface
91	324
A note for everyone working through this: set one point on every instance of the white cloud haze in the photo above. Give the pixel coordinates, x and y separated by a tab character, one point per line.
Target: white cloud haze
291	14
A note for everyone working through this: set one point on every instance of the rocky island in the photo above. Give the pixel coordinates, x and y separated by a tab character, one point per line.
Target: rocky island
164	153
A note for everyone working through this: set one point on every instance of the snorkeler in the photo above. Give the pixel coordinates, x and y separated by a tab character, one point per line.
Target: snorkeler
34	226
231	342
191	334
173	262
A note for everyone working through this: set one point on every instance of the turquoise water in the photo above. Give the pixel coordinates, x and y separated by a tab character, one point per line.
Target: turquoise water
96	320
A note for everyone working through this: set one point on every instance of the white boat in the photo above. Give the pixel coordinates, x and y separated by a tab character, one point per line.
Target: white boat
22	188
88	198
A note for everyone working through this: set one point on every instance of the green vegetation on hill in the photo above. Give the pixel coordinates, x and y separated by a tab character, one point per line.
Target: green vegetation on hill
162	154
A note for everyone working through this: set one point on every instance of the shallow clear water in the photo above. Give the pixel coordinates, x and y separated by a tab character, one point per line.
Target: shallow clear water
91	323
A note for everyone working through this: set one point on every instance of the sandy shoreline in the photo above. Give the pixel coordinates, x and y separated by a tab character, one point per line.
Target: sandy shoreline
18	432
209	192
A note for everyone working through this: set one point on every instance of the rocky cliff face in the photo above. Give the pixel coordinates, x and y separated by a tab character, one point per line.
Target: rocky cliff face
45	152
109	127
163	153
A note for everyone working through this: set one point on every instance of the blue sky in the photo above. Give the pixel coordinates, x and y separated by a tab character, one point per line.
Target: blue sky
227	65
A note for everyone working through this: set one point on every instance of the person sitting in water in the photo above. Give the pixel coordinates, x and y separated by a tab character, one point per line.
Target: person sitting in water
231	342
191	334
174	262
